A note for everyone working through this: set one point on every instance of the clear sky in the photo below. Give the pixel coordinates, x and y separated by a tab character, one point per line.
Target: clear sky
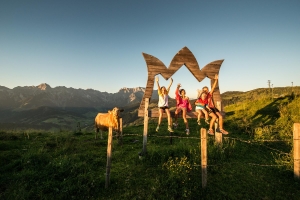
98	44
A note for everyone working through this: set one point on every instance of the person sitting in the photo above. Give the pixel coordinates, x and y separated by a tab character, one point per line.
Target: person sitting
182	104
163	104
201	104
212	109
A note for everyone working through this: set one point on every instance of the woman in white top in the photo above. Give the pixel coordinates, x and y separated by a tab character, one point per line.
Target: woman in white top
163	104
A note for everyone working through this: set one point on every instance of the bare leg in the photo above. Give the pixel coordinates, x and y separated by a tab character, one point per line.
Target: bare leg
159	119
221	123
169	117
199	114
205	114
160	116
176	115
169	121
220	120
212	121
184	118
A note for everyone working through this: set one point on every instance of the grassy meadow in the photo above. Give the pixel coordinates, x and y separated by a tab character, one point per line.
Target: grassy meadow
254	161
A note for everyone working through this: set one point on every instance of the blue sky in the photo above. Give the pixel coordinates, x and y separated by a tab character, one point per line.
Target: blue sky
99	44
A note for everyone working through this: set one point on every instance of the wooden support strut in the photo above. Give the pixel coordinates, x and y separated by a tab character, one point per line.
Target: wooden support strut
218	135
145	134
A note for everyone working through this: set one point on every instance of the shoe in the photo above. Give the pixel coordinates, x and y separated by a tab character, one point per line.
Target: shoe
210	132
187	131
157	128
223	132
198	121
175	125
206	121
170	129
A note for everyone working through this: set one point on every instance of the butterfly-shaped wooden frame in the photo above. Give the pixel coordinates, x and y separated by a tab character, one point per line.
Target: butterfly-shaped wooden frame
183	57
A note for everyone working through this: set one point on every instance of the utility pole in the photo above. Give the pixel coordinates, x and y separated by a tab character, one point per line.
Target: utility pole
269	83
292	86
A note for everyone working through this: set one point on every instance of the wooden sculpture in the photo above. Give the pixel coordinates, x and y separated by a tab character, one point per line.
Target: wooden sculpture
183	57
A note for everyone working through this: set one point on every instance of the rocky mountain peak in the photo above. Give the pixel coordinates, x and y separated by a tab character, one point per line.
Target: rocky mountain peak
44	86
131	90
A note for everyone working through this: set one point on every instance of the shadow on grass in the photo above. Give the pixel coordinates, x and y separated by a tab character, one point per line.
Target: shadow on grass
270	113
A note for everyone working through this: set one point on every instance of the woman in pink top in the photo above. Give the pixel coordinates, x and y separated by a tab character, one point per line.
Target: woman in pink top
183	104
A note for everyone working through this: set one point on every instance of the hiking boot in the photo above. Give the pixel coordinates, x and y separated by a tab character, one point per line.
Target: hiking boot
157	128
187	131
170	129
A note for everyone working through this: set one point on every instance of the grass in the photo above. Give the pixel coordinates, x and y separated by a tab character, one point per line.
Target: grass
72	165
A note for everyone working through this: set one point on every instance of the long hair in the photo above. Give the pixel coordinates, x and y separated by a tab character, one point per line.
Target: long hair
181	91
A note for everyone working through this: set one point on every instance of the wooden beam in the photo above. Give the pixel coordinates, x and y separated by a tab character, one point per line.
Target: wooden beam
155	113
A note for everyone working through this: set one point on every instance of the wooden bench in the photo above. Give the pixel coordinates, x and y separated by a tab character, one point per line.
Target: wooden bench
155	113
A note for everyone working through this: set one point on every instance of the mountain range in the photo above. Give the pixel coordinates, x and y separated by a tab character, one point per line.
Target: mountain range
44	107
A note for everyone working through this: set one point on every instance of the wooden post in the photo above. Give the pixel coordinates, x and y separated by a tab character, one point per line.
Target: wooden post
121	131
296	137
218	135
218	138
145	126
108	163
203	149
219	107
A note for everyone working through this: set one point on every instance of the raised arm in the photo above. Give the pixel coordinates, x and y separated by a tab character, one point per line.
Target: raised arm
171	81
199	93
177	90
158	87
215	83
